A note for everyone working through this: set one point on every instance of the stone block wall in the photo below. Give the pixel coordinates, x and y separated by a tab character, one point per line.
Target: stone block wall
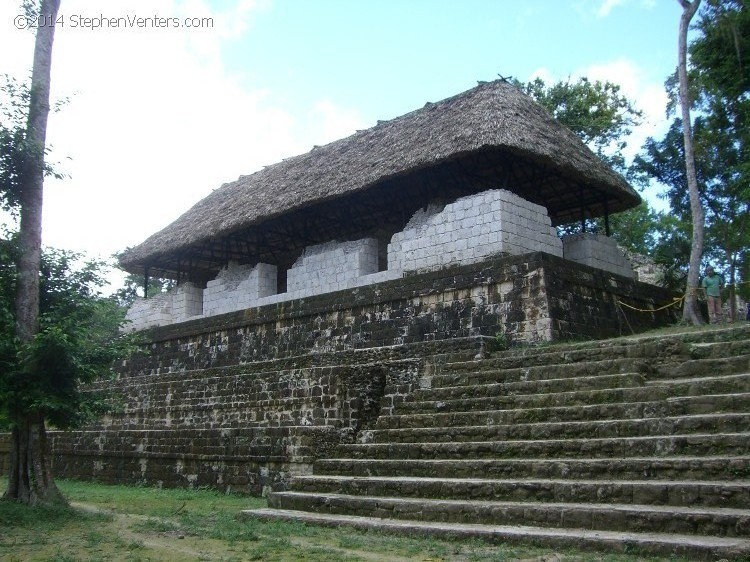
495	222
529	298
187	302
245	428
243	400
178	305
332	267
466	231
471	229
597	250
150	312
237	287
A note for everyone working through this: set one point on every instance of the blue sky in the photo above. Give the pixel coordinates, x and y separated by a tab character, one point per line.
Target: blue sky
390	56
158	117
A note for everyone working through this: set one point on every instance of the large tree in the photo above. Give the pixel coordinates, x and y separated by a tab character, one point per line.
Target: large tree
720	60
30	477
77	341
690	310
596	111
603	118
719	79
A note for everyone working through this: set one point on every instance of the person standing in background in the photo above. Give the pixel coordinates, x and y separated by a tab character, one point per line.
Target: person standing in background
713	284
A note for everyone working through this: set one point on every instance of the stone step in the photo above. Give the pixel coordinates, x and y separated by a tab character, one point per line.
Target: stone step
654	347
641	427
623	468
656	445
543	400
694	547
599	382
713	366
705	385
689	493
476	398
236	407
676	406
716	521
458	398
271	444
206	392
718	350
556	353
714	384
485	372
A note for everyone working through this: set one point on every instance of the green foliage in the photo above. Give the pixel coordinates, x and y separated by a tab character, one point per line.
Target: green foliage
720	92
720	54
636	229
500	343
132	288
148	520
603	118
16	151
595	111
78	341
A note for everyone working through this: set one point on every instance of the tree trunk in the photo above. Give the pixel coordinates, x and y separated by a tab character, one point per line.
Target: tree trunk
732	281
690	311
30	478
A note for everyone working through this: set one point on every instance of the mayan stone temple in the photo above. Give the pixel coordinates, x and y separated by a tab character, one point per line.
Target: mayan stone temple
362	334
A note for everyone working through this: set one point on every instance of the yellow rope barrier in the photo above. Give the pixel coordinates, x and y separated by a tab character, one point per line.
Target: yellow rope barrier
675	302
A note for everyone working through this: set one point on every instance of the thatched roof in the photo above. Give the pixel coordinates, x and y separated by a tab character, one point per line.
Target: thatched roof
488	137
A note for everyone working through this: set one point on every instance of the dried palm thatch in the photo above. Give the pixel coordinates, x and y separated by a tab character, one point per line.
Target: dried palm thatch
490	136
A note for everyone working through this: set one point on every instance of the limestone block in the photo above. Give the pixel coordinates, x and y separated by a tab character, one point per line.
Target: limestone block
187	302
473	228
146	313
597	250
237	287
332	266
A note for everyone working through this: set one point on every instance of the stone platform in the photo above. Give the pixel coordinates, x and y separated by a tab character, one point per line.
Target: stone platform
245	400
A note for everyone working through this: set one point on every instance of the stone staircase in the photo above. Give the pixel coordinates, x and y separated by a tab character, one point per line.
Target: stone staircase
637	444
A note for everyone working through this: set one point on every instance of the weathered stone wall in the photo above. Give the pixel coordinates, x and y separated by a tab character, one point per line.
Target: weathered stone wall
531	298
503	295
242	428
585	303
243	400
599	251
471	229
154	311
237	287
466	231
332	267
178	305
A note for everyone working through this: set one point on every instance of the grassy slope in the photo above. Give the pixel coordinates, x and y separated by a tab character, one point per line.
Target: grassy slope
146	524
140	524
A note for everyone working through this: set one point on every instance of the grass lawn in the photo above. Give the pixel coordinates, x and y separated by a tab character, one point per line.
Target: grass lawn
147	524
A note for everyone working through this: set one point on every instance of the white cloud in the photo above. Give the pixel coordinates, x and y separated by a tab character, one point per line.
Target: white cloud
332	122
607	6
647	96
544	73
156	122
597	8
